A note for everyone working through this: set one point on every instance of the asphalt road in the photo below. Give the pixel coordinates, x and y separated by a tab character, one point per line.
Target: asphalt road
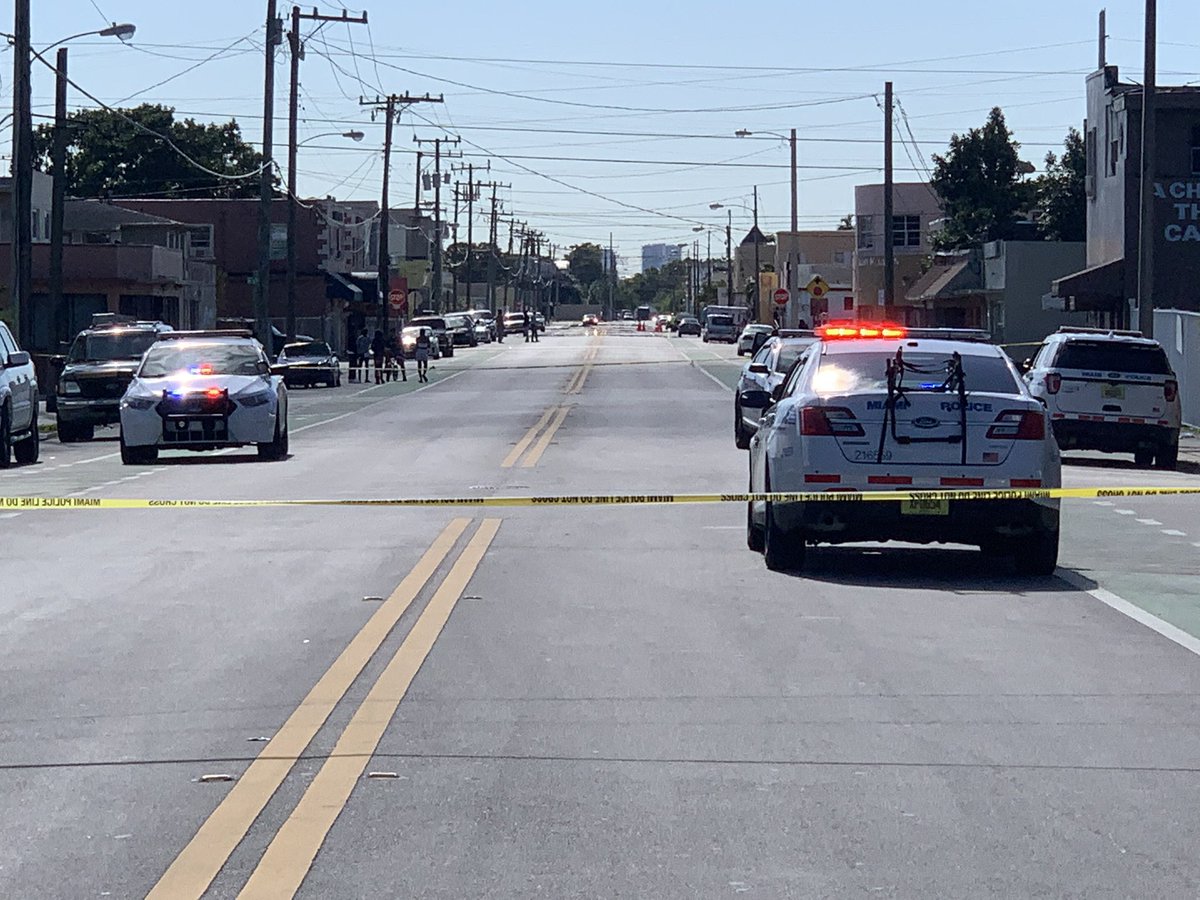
576	702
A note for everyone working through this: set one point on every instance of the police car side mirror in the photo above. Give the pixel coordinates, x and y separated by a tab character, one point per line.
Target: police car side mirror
1027	365
759	369
18	358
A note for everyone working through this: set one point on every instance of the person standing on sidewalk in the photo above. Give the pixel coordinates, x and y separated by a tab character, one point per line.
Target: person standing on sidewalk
527	324
378	345
362	347
421	349
395	351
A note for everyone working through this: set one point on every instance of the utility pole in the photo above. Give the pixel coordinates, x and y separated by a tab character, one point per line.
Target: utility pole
889	241
436	288
493	241
297	54
757	277
612	278
22	168
729	257
472	190
417	202
1146	235
262	279
58	201
390	106
803	308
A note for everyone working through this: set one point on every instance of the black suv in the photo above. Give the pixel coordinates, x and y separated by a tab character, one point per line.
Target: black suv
99	366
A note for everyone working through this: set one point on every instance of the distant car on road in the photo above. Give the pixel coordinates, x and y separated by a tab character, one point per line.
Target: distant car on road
203	390
688	325
1112	391
719	327
487	318
745	341
462	329
98	368
438	325
880	407
626	315
19	438
759	378
308	363
590	319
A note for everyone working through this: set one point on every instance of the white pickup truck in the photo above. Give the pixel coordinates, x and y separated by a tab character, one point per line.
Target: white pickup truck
18	403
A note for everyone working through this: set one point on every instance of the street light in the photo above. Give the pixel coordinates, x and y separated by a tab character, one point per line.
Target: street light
21	287
757	242
803	313
290	277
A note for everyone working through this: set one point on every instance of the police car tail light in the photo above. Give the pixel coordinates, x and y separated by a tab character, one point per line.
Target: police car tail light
1053	383
829	421
1170	390
1018	425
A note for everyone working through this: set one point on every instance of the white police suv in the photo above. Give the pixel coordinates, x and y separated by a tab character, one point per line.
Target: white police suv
882	407
765	371
1113	391
201	390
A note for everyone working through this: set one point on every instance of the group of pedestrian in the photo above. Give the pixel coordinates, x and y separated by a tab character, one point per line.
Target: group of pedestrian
531	327
387	351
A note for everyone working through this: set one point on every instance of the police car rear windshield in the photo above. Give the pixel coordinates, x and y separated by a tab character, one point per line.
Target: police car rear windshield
1113	356
172	358
867	372
111	345
788	356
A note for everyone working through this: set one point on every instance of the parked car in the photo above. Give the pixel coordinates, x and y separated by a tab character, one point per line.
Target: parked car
1112	391
688	325
462	329
308	363
745	341
765	372
202	390
98	368
19	438
438	324
487	318
627	315
408	341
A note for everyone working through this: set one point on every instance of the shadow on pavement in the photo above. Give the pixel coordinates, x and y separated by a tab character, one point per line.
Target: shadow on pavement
960	570
1187	466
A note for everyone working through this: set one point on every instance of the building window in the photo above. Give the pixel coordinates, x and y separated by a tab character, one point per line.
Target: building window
1090	152
201	241
172	240
906	231
866	235
36	225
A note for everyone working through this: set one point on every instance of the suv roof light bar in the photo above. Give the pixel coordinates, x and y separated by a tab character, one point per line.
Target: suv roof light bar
1109	332
214	333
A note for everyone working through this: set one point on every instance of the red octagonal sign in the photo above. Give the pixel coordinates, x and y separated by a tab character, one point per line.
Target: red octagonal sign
781	296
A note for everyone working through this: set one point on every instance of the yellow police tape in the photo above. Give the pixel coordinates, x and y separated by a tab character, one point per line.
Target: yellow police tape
37	503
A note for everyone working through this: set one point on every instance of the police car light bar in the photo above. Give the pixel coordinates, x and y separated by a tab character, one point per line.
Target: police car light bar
849	330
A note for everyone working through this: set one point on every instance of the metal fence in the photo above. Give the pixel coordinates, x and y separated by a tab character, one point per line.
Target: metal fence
1179	333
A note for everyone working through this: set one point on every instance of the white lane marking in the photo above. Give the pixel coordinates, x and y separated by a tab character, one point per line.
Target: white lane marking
724	527
1125	512
1196	544
1173	533
9	515
1148	522
1123	606
1104	503
717	380
355	412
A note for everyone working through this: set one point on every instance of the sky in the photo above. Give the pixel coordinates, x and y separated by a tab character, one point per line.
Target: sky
619	119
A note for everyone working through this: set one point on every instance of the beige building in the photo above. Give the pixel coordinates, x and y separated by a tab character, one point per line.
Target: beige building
915	209
827	255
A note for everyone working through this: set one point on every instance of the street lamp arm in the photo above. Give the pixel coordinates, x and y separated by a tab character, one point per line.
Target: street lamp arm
121	32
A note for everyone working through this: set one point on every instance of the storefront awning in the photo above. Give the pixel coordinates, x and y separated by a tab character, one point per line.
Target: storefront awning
338	288
1100	288
946	282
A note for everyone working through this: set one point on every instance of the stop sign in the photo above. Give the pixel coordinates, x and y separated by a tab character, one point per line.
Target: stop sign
781	296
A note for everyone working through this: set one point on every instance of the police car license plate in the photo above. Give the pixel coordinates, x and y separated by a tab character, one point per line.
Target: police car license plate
1113	392
924	507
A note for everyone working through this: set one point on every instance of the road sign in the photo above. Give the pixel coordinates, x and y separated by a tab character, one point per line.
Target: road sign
397	299
818	287
781	297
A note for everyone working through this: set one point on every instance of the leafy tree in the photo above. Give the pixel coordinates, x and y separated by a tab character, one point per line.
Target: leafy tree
978	181
108	154
586	263
1061	192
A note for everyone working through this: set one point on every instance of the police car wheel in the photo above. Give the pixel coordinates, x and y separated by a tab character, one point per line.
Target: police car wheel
783	550
1038	553
754	534
27	451
741	437
1143	458
137	456
1167	457
5	438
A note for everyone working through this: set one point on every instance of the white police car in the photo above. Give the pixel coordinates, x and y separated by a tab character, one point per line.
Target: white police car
759	378
881	407
1113	391
202	390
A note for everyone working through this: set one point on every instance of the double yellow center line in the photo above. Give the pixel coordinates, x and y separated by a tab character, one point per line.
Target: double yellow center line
290	854
575	385
551	420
